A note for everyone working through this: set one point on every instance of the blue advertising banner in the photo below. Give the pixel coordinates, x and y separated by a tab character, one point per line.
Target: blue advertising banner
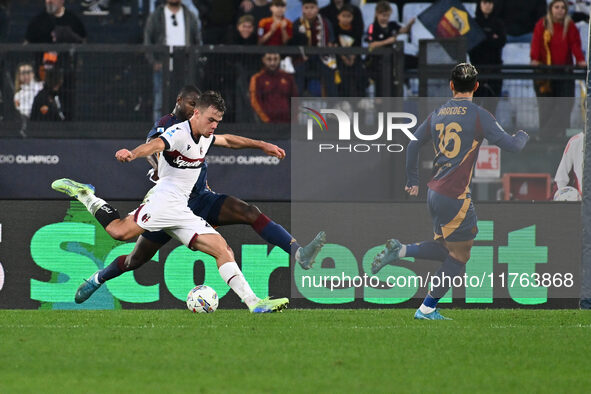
28	166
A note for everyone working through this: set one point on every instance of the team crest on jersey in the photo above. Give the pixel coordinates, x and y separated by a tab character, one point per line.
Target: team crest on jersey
145	218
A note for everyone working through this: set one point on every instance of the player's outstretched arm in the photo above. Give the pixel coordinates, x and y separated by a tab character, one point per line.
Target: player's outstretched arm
144	150
495	134
237	142
412	157
412	190
507	142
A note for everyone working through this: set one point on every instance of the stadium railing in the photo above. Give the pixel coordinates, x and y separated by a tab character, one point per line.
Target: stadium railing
109	88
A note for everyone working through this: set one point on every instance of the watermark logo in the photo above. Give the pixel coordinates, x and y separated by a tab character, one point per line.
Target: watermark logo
319	120
388	123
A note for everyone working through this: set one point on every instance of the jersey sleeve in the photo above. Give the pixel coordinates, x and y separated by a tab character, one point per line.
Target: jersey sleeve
155	131
423	135
562	177
160	126
172	138
394	27
496	135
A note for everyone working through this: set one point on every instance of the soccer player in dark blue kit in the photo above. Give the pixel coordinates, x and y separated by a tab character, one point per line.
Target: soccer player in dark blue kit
457	129
217	209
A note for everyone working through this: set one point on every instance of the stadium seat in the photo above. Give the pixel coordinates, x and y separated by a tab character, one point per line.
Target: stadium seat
418	31
584	32
368	10
410	10
471	8
516	53
525	112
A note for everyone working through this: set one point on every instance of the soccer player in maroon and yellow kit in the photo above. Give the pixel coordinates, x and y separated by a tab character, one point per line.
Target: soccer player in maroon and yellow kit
457	129
276	29
271	90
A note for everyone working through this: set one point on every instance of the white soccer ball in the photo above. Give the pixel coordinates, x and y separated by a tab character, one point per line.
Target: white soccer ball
567	193
202	299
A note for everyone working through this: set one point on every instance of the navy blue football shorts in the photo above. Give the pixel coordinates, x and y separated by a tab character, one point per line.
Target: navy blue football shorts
453	220
206	204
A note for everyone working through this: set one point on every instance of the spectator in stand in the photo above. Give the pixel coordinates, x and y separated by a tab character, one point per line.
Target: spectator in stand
314	74
520	17
276	29
331	13
243	66
244	34
382	32
260	9
555	41
271	90
47	105
57	25
26	88
353	78
218	17
173	25
488	55
570	169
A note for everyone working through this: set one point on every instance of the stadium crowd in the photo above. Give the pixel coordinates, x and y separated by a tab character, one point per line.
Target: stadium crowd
548	25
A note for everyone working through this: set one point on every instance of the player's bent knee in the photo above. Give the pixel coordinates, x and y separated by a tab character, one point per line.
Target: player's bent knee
230	253
123	229
251	213
116	234
223	251
461	257
120	234
213	244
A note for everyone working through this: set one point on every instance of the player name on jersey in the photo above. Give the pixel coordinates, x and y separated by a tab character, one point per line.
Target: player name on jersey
452	111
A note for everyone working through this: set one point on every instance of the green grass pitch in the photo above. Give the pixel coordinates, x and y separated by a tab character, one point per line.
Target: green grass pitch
311	351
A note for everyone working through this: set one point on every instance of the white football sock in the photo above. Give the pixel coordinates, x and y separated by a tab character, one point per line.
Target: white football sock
426	309
231	274
94	278
91	202
402	252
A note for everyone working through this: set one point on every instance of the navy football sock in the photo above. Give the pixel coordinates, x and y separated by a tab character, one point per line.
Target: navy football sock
450	269
113	270
428	250
275	234
430	301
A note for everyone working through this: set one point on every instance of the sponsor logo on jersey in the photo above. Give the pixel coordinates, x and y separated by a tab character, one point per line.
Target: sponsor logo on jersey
145	218
177	160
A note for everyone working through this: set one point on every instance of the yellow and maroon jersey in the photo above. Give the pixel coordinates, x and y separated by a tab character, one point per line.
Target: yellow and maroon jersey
457	129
